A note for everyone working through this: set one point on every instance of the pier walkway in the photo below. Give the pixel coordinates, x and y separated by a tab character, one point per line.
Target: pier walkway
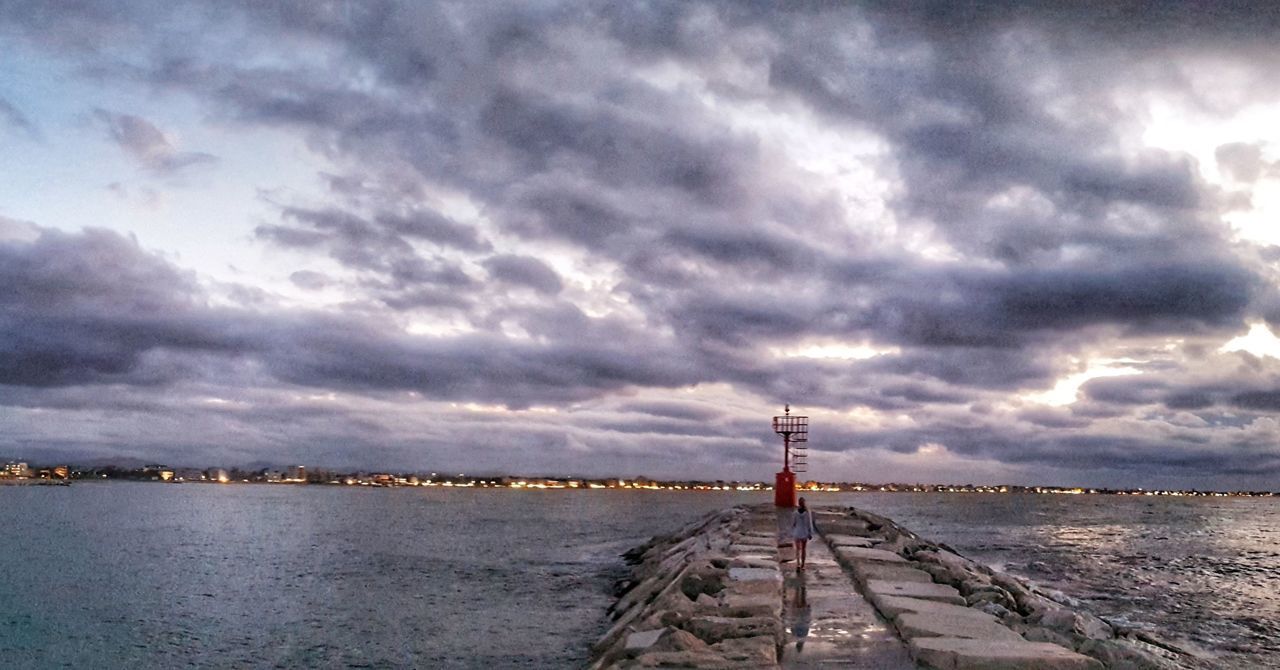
723	593
829	624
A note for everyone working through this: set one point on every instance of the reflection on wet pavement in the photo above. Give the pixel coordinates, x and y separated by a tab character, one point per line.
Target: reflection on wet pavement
829	624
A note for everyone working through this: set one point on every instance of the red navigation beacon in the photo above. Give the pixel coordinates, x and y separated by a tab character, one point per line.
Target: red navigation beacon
795	456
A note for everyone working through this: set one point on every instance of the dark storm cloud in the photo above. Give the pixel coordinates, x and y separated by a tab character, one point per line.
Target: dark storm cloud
636	139
435	227
95	308
524	271
384	249
674	410
90	308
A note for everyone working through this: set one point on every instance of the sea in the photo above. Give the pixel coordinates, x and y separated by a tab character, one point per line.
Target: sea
149	575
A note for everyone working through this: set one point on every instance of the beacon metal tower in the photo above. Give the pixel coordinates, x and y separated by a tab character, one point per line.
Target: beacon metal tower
795	455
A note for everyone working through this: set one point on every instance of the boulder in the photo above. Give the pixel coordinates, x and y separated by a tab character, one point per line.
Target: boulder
994	609
714	629
1037	634
749	652
674	639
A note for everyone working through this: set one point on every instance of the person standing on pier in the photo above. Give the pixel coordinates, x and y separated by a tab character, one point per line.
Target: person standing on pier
801	532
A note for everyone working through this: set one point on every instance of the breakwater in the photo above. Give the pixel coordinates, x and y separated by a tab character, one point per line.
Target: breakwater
721	593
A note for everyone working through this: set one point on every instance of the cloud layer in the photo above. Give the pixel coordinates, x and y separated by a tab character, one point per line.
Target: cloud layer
621	235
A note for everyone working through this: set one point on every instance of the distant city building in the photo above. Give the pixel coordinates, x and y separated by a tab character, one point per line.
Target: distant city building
12	469
61	471
296	473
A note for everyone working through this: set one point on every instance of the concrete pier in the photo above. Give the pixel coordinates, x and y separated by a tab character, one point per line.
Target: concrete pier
724	592
829	624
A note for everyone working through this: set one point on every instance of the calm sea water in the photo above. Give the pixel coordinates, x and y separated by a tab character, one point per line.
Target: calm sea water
114	575
152	576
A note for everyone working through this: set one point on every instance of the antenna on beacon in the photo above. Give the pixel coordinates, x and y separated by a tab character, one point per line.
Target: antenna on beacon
795	455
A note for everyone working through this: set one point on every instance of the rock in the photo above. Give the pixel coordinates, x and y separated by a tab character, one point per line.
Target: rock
998	598
994	609
924	624
877	588
976	585
674	639
1093	628
639	642
750	652
1059	620
1037	634
964	654
1009	583
704	579
714	629
706	603
705	659
1122	655
938	573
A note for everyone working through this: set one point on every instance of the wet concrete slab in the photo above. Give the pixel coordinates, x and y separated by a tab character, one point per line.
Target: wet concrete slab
879	588
829	625
964	654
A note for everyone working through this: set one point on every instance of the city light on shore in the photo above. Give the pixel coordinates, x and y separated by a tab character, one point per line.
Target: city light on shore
19	472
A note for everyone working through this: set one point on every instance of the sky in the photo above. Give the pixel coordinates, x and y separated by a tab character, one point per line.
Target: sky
973	242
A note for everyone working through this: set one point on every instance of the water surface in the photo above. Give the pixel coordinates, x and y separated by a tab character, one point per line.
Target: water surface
158	576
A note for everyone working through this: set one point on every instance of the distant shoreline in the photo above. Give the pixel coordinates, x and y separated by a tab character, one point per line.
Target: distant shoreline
540	484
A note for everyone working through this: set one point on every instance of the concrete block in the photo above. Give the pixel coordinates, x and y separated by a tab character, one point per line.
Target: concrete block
749	549
769	574
950	653
920	624
751	604
848	541
753	561
893	606
890	572
851	555
924	591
